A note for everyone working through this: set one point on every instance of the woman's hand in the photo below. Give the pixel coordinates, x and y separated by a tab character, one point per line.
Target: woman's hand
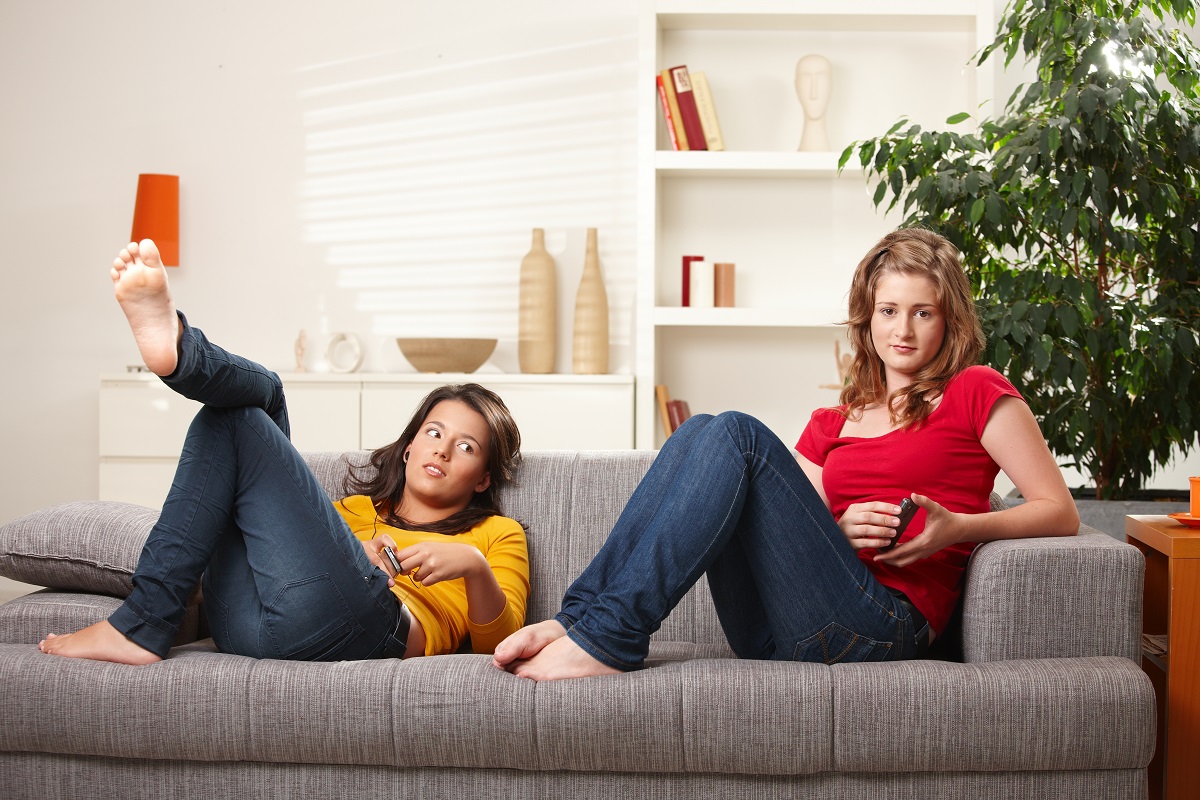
428	563
870	524
374	550
942	528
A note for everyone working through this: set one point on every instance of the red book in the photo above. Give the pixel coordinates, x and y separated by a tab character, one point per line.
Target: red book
687	108
666	107
678	412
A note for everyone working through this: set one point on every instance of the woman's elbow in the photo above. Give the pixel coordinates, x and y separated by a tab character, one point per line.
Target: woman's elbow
1066	521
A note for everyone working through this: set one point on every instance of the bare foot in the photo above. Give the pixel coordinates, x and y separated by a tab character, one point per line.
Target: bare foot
140	285
99	642
561	659
527	643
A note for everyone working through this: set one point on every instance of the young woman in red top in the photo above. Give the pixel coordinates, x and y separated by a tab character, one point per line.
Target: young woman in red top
796	544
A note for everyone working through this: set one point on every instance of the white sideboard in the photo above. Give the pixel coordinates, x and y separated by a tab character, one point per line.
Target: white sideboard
143	423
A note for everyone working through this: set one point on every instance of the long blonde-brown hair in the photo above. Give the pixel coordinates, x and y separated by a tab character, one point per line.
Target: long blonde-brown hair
920	253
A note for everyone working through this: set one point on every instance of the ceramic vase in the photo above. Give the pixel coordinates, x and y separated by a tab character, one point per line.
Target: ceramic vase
537	326
590	356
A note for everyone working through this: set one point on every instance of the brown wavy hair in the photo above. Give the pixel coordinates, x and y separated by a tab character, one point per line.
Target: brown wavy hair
382	477
921	253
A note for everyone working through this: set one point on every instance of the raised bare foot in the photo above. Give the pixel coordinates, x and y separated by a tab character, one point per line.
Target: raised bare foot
140	285
561	659
99	642
527	643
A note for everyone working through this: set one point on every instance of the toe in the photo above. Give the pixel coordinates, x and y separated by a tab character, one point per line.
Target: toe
149	252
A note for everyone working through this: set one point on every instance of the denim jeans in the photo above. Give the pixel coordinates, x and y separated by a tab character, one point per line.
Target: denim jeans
726	498
283	575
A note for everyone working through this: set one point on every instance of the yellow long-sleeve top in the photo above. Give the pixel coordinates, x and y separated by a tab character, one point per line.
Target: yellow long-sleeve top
442	608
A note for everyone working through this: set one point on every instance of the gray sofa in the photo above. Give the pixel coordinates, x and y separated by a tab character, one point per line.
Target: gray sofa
1046	701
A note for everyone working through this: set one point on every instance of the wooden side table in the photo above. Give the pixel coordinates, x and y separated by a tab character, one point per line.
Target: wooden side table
1171	647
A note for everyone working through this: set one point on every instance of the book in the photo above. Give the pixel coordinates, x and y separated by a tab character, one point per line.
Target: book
686	100
673	104
686	294
663	397
708	111
666	109
678	412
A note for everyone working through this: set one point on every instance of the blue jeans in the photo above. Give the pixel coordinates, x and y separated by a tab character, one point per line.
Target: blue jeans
283	575
726	498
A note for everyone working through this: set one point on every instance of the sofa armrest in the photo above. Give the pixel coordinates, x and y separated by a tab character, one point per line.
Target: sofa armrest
1053	597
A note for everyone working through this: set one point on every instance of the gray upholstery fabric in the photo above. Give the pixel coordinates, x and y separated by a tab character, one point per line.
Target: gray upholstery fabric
1051	597
88	546
27	619
992	717
32	776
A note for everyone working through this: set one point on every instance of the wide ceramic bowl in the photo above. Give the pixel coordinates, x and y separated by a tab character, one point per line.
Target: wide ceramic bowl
447	355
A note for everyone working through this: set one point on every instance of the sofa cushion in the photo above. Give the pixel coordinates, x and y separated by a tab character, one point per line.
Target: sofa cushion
723	716
27	619
1032	714
90	546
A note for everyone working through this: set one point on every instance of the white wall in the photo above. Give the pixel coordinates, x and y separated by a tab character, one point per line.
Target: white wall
362	166
332	157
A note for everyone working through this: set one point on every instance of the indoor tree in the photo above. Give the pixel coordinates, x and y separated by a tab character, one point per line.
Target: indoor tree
1077	209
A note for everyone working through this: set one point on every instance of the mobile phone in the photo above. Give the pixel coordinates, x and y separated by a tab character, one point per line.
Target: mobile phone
391	557
908	510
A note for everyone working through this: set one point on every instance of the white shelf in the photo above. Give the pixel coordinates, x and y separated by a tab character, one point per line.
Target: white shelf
857	15
746	164
793	224
667	316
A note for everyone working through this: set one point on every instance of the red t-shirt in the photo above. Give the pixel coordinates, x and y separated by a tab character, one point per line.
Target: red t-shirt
942	459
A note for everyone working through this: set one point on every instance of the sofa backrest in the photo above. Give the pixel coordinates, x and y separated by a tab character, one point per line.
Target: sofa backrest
568	502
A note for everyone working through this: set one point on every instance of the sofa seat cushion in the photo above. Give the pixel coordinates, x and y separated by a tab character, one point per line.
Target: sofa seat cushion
1030	714
717	716
27	619
721	716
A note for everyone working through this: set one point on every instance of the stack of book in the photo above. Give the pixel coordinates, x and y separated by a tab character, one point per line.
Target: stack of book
688	110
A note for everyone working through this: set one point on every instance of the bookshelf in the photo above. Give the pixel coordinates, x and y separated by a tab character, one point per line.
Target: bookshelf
794	227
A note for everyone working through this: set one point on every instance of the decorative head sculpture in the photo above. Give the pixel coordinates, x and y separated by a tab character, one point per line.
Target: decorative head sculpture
814	83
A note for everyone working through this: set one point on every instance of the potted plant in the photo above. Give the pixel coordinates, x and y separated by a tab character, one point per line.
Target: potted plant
1077	210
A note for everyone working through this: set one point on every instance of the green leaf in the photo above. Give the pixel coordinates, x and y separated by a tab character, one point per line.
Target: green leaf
880	191
1003	354
1068	319
1041	355
977	211
1186	342
957	118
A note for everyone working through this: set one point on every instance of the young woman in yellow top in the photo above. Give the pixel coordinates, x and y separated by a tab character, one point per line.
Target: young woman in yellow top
287	573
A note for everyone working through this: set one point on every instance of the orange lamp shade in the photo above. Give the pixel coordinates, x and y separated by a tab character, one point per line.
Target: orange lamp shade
156	215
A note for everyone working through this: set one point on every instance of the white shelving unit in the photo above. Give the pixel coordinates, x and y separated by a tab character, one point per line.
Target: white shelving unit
143	423
792	224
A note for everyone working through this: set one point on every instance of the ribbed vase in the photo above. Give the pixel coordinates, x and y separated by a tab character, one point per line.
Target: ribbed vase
591	316
537	326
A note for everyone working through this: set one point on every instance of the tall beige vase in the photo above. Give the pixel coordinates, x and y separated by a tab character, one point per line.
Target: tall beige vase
591	316
537	326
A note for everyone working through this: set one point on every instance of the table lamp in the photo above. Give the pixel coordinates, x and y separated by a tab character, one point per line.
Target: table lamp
156	215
